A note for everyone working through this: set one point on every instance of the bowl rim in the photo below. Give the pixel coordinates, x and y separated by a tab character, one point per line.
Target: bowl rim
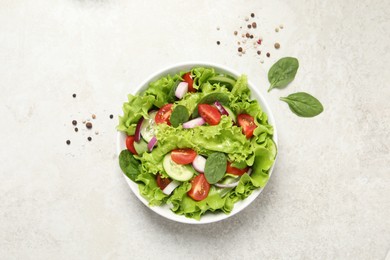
164	210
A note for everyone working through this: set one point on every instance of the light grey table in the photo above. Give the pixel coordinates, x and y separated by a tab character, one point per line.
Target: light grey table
329	197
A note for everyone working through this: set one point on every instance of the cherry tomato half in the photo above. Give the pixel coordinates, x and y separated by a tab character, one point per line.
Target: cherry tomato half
163	114
199	188
209	113
233	170
162	182
187	78
130	144
183	156
247	123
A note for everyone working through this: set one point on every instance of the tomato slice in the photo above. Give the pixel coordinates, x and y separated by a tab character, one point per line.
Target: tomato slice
187	78
162	182
247	123
209	113
163	114
130	144
233	170
199	188
183	156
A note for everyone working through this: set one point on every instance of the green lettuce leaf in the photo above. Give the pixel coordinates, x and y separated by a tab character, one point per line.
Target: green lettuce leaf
149	189
161	90
133	110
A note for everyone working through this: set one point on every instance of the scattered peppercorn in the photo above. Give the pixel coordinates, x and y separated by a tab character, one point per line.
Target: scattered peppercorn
111	116
74	122
247	35
89	138
97	132
252	15
259	52
93	116
251	36
276	29
76	129
218	42
268	54
254	25
249	26
240	49
235	32
277	45
68	142
88	125
74	95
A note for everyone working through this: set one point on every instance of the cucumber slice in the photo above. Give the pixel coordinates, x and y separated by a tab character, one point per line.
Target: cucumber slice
141	147
231	114
147	127
228	82
176	171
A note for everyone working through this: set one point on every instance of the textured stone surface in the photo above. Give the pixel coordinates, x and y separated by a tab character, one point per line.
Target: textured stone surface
329	197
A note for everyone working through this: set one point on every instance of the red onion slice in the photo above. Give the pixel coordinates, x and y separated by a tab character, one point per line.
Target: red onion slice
199	163
221	109
194	122
181	90
137	135
152	143
170	187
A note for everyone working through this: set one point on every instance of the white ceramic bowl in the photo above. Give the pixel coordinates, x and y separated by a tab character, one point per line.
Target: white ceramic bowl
164	210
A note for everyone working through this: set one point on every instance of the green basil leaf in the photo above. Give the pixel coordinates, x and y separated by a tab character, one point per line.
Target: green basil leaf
179	115
303	104
210	99
129	165
215	167
282	72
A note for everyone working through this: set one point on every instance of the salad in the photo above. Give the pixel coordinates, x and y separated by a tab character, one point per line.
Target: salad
197	142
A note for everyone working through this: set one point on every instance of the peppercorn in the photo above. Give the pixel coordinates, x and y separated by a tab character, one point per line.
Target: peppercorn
252	15
76	129
249	26
89	138
74	122
259	52
68	142
111	116
276	29
93	116
235	32
74	95
251	36
247	35
268	54
240	49
88	125
218	42
254	25
277	45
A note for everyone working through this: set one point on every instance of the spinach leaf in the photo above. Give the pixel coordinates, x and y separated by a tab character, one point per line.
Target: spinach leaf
179	115
303	104
210	99
215	167
282	72
129	165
